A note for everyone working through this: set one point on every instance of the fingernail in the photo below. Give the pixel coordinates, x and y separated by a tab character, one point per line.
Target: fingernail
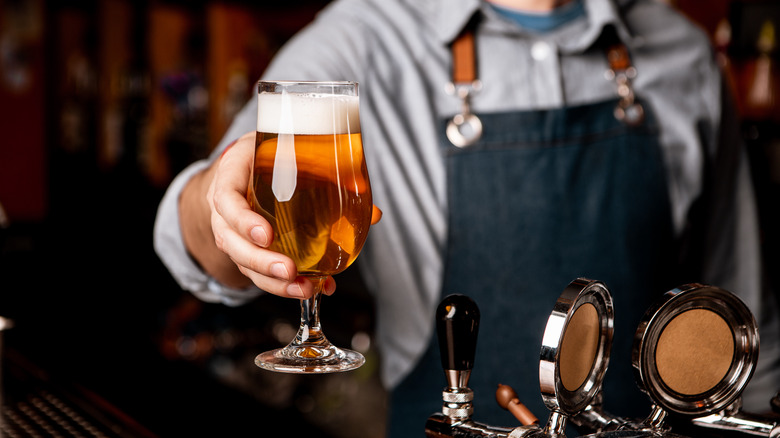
294	290
280	271
259	236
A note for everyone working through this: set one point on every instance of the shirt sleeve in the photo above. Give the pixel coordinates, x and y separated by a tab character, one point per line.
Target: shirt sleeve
169	245
312	54
731	249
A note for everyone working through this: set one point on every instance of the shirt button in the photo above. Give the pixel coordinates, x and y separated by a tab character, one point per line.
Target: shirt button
540	50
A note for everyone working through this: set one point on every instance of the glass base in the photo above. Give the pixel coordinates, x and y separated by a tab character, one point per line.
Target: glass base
304	359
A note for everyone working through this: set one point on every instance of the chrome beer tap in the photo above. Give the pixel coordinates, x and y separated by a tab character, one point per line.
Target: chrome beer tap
714	407
694	352
457	326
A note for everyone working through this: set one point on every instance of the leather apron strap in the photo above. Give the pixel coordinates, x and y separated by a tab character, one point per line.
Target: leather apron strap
465	128
464	59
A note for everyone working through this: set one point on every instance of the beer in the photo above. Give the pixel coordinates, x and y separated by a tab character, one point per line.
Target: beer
310	180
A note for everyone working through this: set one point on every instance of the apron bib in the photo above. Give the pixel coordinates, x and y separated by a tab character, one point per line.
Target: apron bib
545	197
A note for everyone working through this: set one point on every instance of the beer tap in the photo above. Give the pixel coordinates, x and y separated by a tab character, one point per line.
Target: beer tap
717	410
457	326
694	351
575	351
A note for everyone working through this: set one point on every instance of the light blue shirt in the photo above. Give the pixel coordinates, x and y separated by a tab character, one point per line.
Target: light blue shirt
398	52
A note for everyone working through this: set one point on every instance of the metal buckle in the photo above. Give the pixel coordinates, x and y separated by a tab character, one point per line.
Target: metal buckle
628	110
464	129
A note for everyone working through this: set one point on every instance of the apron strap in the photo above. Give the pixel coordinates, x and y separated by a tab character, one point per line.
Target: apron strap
464	60
465	129
622	71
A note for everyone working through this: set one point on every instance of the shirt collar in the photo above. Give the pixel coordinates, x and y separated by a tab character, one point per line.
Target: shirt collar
602	14
454	15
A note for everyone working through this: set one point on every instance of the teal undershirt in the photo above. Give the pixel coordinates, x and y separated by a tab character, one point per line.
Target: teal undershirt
545	21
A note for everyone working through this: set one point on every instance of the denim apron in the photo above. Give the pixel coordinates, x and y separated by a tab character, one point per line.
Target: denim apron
541	198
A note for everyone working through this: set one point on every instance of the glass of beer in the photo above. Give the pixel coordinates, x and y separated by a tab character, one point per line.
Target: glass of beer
310	182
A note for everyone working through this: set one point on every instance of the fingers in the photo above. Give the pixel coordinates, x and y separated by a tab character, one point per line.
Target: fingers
271	271
300	288
376	214
230	211
329	286
244	235
227	193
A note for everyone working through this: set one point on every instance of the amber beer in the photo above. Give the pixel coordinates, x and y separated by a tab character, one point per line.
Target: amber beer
310	180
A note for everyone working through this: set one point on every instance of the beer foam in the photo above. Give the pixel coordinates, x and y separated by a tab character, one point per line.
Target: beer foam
288	113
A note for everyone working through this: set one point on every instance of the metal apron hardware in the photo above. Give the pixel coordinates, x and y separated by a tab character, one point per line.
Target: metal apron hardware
465	128
621	71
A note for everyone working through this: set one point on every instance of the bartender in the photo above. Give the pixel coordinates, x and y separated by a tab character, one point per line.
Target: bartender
513	145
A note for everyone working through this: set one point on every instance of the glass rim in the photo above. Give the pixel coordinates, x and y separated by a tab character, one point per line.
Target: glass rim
306	83
306	87
287	81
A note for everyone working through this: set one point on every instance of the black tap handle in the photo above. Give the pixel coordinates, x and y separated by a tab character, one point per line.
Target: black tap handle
457	325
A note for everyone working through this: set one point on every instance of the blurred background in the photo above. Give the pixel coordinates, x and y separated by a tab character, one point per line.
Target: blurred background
102	102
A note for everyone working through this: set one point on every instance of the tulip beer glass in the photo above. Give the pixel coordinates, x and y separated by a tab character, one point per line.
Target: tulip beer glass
310	182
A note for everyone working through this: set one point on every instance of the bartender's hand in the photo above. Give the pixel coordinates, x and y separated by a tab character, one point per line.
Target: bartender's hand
227	238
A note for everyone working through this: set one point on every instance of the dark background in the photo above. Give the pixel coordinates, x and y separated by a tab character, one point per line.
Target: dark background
102	102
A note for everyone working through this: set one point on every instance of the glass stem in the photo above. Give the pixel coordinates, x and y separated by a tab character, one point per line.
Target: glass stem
310	332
